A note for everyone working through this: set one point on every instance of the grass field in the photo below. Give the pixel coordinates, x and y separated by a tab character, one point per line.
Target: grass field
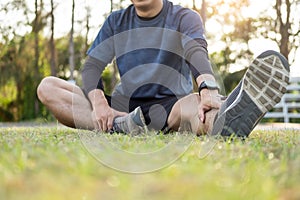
52	163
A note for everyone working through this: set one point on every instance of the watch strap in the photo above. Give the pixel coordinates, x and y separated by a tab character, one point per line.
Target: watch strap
204	85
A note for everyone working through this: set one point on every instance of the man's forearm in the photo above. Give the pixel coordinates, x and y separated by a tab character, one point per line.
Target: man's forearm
97	97
91	74
196	55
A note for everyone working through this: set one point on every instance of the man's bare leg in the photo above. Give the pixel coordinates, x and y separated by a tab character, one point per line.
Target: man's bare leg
70	107
185	116
66	102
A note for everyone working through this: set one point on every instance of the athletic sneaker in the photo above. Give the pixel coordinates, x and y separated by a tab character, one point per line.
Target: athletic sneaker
261	88
132	124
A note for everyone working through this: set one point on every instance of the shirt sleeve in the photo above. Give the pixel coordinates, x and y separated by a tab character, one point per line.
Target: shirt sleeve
91	74
103	45
196	56
99	54
194	44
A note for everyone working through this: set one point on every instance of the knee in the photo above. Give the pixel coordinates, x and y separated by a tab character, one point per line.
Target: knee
179	118
45	89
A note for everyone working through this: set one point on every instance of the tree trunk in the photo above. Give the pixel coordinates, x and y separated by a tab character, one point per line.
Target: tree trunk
71	46
36	39
36	30
284	42
52	43
87	26
284	26
114	74
111	6
203	12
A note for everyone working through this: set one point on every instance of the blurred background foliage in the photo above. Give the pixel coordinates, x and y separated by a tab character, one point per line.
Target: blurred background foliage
26	58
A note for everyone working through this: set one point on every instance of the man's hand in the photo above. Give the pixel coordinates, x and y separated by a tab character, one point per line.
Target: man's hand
209	99
103	115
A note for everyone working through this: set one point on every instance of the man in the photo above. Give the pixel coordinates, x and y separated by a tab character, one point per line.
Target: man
157	46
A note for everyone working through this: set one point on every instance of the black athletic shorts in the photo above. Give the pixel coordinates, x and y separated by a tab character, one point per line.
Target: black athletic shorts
156	111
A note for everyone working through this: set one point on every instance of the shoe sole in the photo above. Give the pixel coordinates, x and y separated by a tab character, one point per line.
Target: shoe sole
262	87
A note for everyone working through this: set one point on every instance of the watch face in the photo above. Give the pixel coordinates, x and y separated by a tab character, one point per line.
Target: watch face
211	84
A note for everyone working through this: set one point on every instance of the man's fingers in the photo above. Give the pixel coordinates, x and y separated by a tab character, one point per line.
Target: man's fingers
202	111
208	102
110	123
213	102
98	123
104	125
202	116
216	103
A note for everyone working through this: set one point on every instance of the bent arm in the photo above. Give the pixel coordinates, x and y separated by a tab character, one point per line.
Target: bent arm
102	114
197	56
91	74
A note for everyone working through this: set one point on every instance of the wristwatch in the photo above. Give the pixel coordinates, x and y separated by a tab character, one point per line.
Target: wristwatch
211	85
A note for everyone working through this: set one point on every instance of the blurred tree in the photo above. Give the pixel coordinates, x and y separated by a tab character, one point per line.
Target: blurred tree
22	58
281	23
32	104
71	44
62	50
52	42
87	27
235	29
